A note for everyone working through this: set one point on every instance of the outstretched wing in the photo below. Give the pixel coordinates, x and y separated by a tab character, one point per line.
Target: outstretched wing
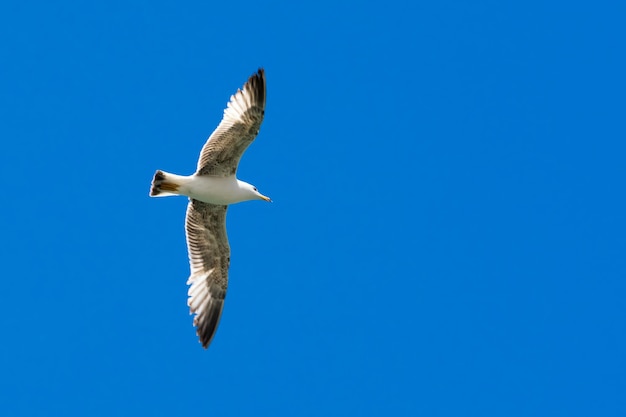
209	258
241	123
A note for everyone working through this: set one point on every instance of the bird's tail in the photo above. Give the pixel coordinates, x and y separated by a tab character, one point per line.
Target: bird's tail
164	184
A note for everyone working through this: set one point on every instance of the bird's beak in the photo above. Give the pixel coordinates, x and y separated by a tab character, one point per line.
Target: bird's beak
269	200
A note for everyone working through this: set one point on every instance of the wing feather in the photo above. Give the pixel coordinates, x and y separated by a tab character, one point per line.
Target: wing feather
209	259
240	124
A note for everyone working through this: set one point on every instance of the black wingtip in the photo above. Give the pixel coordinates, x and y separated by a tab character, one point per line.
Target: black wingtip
258	77
207	322
256	83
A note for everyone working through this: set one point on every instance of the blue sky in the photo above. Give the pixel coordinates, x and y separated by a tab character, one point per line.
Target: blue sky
447	235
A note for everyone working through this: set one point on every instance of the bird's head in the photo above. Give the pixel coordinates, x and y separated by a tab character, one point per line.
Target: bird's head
255	194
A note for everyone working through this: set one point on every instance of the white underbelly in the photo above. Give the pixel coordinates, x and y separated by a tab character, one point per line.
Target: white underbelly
213	190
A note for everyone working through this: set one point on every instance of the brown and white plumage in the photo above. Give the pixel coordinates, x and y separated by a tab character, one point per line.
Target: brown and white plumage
210	190
241	123
209	259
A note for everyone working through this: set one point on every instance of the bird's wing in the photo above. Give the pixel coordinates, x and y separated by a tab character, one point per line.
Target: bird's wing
209	259
241	123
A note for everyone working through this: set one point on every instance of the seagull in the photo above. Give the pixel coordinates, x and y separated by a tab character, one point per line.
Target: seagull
211	189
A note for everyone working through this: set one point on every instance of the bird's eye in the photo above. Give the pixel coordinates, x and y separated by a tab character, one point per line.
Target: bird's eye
254	188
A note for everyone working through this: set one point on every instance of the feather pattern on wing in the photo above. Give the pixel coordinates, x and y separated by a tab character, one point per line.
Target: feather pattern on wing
209	259
241	123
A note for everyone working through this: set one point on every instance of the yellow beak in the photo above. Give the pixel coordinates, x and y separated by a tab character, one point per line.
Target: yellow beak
269	200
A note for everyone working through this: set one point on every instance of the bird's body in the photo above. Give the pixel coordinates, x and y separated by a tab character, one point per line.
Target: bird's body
211	189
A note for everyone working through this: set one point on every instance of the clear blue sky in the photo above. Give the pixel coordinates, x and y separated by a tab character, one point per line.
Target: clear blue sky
448	231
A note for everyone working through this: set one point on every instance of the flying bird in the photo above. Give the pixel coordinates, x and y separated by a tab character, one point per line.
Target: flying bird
211	189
